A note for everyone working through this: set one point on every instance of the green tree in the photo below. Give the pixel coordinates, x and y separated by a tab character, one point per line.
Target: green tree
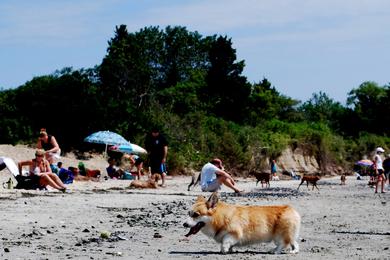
227	91
321	108
183	53
266	103
59	102
370	103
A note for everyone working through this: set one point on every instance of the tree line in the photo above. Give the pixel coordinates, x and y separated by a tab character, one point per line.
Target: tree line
192	87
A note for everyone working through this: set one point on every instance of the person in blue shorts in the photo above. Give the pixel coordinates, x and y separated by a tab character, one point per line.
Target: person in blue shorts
157	147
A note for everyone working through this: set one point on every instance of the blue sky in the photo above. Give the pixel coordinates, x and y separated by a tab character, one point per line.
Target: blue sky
301	46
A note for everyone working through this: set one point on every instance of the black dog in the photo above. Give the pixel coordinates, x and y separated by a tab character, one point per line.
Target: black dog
195	179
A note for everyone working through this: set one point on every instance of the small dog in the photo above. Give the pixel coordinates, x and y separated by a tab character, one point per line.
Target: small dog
195	179
151	183
310	179
234	225
262	177
343	179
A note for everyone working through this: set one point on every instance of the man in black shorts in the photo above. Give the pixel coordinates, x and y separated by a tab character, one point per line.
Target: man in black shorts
157	147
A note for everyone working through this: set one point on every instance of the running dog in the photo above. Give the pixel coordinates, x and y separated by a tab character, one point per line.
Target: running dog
310	179
151	183
234	225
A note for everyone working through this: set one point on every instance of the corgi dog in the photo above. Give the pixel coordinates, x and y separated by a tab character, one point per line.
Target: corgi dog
310	179
234	225
151	183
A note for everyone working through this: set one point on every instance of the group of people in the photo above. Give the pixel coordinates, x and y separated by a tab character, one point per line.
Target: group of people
40	167
213	174
132	160
157	148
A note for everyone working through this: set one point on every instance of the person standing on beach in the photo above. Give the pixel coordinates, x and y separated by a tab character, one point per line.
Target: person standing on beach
49	144
157	147
379	171
273	170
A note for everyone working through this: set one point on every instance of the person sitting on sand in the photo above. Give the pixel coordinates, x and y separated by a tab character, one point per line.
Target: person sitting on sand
213	176
112	171
40	167
78	177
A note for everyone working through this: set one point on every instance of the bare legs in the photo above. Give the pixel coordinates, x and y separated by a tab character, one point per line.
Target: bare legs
52	180
382	182
229	183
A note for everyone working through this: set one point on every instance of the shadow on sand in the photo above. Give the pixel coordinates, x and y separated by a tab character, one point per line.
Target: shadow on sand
218	253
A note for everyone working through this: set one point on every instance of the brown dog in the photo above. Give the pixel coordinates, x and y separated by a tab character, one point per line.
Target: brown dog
151	183
310	179
343	179
262	177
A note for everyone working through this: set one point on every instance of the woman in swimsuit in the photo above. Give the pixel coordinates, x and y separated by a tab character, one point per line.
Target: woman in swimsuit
40	167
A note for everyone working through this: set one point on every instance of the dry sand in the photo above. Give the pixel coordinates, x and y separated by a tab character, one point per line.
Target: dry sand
338	222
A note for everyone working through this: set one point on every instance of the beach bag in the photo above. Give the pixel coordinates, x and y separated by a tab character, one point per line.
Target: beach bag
27	182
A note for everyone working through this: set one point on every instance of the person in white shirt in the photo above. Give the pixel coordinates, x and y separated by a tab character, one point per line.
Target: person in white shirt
213	176
379	171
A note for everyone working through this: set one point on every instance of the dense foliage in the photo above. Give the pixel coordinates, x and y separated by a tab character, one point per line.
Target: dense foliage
192	88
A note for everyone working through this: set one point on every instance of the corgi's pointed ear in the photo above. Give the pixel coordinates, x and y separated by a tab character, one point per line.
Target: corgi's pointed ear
213	200
201	199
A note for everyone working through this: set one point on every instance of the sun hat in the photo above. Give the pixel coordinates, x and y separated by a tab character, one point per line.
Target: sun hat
380	149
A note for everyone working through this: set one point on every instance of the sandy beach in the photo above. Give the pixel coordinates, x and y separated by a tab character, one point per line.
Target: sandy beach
106	220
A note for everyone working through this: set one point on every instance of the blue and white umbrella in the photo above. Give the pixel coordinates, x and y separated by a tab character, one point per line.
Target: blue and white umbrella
132	148
107	138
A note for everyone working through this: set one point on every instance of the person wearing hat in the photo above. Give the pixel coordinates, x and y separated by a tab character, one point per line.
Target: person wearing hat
379	171
213	176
